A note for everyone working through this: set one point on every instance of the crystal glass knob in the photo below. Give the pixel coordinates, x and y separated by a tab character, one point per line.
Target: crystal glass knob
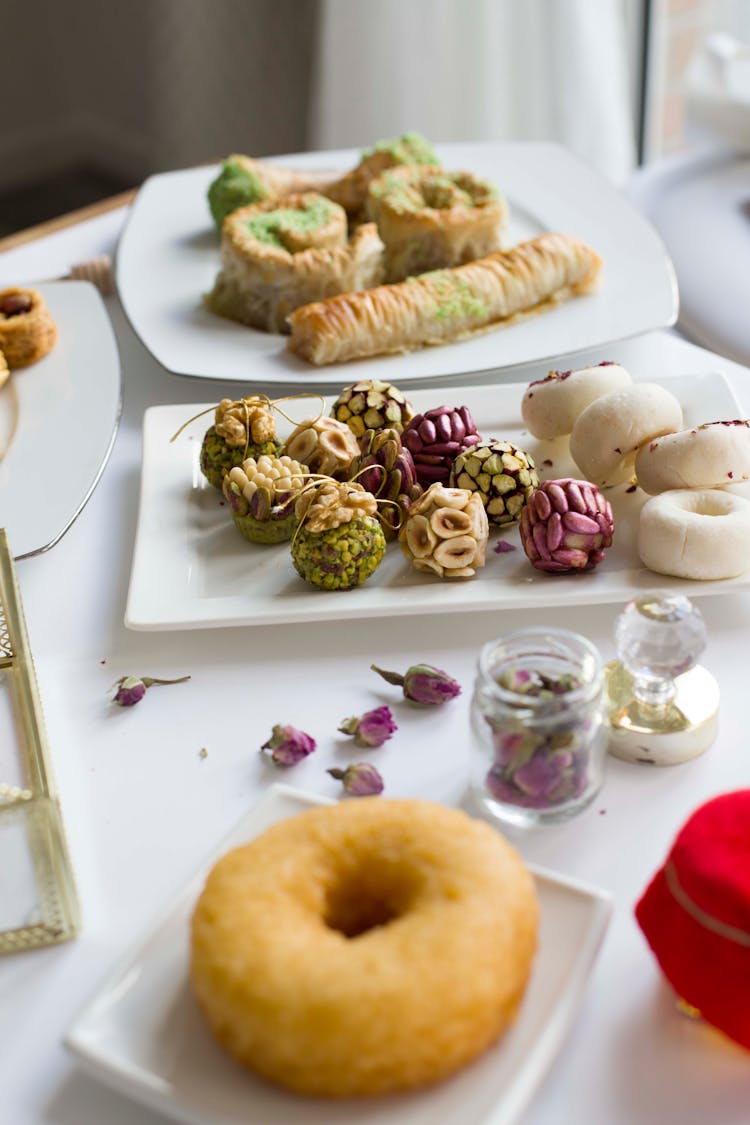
658	637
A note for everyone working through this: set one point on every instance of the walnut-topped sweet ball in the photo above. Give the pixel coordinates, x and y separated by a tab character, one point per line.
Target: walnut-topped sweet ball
339	541
242	428
27	329
280	254
429	218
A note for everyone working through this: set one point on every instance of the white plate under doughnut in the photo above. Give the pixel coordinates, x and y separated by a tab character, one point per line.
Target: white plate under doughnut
143	1034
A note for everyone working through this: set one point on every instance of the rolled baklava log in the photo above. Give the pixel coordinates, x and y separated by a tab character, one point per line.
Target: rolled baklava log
429	219
27	330
276	256
445	305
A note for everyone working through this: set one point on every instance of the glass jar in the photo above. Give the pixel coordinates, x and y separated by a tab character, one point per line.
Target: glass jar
539	731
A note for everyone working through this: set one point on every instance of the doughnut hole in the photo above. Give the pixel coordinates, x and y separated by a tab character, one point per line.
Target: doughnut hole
372	892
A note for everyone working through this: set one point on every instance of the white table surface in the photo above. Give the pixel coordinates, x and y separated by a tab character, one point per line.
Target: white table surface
142	807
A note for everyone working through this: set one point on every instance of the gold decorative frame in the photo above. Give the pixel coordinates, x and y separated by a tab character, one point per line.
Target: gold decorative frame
38	899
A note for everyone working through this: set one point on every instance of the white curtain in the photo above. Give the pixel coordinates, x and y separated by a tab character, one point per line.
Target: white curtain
465	70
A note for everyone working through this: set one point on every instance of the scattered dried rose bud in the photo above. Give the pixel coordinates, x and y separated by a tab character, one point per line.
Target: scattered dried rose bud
131	689
288	745
423	684
359	780
371	729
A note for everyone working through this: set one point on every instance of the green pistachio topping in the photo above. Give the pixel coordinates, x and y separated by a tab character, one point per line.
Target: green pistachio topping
409	148
234	187
269	227
453	297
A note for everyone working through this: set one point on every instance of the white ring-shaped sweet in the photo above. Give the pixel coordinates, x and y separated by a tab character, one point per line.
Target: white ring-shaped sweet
609	432
695	533
708	456
551	406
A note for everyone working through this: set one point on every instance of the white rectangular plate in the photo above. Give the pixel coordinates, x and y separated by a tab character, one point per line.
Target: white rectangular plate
69	400
168	258
142	1032
192	568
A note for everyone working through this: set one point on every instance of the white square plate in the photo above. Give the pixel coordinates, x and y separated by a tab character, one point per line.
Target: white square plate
143	1034
168	258
192	568
71	400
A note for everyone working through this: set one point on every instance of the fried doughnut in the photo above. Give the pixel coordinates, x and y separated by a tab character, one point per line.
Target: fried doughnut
609	432
371	946
551	406
695	533
708	456
27	330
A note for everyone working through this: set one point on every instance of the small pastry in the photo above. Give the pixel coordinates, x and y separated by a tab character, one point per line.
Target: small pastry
566	526
325	445
428	218
695	533
436	438
385	468
503	475
444	305
4	369
27	330
262	494
280	254
338	543
446	532
609	432
551	406
350	190
241	429
243	181
708	456
372	404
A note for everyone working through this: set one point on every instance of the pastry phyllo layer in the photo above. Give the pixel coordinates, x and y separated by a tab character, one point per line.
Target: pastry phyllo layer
429	218
447	304
278	255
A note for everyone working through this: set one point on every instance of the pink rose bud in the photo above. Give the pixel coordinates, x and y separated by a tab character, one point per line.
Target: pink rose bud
423	684
371	729
131	689
288	745
359	780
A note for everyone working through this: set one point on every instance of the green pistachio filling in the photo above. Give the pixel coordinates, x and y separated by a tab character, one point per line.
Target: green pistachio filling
234	187
409	148
270	227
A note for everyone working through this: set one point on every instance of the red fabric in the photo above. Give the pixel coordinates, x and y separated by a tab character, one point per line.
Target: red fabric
710	861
